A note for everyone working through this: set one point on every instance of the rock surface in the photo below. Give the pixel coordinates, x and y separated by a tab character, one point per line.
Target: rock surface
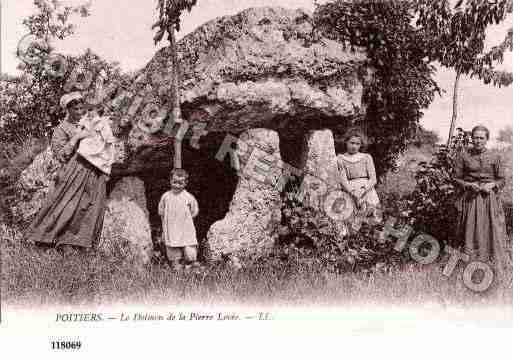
249	226
319	164
126	228
256	69
252	73
35	182
321	184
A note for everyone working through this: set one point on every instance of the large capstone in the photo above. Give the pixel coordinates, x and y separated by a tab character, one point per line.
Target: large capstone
262	68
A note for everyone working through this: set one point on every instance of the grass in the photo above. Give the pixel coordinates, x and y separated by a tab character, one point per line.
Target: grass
35	277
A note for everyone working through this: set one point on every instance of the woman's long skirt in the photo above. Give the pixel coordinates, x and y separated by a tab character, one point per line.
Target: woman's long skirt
482	224
73	212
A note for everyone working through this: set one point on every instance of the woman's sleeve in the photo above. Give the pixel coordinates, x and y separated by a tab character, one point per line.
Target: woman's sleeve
459	168
371	171
162	205
61	145
500	177
194	206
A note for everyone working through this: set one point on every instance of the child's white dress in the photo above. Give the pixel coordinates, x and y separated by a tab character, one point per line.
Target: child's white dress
177	212
99	148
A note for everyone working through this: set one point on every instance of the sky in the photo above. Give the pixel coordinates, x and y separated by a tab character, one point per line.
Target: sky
120	30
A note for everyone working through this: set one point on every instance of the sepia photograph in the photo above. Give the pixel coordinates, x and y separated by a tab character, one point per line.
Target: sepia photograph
256	169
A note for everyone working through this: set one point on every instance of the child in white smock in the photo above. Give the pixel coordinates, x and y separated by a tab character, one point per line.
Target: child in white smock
177	209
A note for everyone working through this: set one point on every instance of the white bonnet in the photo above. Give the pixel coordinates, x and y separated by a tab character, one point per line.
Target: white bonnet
72	96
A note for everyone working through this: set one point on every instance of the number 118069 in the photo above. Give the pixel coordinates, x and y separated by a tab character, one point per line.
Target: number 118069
66	345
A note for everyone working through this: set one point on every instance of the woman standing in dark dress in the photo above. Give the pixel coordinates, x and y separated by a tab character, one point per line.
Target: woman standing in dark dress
72	216
481	222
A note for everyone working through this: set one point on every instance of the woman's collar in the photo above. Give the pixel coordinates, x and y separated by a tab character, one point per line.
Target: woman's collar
352	158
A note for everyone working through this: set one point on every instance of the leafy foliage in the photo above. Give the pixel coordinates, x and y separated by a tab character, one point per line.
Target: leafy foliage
455	36
310	236
52	19
169	16
402	83
432	203
30	102
430	207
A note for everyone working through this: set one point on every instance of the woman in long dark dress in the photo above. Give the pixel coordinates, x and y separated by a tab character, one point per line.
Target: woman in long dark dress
481	216
72	216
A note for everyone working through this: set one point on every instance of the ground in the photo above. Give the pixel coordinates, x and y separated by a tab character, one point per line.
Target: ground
44	278
32	276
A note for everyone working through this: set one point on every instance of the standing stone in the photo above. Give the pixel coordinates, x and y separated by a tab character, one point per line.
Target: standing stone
319	166
126	228
248	230
320	187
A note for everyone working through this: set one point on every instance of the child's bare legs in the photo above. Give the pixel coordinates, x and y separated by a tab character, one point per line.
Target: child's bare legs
191	255
174	254
188	253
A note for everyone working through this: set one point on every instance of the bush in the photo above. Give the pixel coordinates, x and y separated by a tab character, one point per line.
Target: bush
429	206
432	202
402	82
310	236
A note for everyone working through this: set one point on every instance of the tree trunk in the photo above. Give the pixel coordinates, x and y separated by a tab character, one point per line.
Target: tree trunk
176	113
454	108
